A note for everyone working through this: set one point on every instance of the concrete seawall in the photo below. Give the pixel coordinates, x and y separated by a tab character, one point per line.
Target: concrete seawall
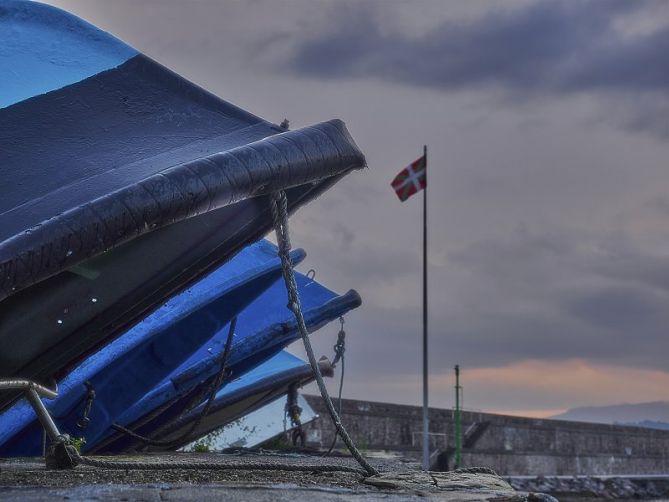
513	446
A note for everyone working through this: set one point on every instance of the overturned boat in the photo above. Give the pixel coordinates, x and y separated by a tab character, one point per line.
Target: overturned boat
256	428
116	377
262	330
123	184
265	384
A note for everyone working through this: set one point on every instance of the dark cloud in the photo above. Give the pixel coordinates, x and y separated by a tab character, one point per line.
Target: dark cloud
659	203
546	48
558	296
648	113
622	309
549	296
628	267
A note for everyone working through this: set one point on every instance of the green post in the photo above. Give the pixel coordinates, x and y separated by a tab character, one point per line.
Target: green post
458	420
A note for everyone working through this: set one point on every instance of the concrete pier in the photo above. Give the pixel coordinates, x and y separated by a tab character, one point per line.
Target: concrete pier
512	446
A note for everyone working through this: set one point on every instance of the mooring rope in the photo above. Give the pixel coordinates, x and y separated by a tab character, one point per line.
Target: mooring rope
340	349
218	466
279	207
213	390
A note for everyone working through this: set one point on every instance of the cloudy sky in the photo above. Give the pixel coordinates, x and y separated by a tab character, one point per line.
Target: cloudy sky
547	124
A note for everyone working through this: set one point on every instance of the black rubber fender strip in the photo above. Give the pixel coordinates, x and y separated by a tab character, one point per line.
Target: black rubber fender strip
277	162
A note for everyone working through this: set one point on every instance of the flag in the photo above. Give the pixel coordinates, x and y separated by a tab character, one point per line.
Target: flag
412	179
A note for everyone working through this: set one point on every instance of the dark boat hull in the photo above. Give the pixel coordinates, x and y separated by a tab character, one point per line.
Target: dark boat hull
125	186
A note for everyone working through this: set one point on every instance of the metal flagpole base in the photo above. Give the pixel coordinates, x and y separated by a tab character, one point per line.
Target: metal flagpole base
58	455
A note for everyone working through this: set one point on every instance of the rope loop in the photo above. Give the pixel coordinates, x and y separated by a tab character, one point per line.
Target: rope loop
294	411
340	346
84	421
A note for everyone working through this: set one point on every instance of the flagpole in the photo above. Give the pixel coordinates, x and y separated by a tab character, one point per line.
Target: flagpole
426	419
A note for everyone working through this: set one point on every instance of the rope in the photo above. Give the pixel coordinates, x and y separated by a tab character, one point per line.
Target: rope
66	456
294	411
83	422
476	470
70	457
339	348
213	390
219	466
279	208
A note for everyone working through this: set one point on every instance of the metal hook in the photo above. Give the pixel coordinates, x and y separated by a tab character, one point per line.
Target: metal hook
311	274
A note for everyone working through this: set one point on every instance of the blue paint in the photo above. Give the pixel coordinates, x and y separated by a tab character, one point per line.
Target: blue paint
283	361
44	48
263	330
124	371
255	389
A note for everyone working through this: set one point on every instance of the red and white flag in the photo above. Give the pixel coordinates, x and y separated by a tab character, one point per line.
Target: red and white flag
412	179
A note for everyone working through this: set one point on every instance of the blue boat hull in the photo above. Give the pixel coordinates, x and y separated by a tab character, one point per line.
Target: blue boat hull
123	372
251	391
263	330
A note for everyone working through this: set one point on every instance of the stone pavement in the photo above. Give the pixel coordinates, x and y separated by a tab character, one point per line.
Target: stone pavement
27	480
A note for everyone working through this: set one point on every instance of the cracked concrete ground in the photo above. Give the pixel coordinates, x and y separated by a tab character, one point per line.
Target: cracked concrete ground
27	480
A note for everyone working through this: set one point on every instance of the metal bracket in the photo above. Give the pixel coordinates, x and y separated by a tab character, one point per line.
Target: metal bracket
57	455
294	411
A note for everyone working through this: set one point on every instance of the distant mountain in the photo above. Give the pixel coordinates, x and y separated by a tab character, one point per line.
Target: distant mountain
654	415
652	424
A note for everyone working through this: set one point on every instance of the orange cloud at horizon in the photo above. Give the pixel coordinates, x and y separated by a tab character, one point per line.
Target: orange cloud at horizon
539	413
529	388
544	388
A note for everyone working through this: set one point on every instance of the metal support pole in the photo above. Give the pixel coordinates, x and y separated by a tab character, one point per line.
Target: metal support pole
20	384
32	392
42	414
458	420
59	454
426	419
